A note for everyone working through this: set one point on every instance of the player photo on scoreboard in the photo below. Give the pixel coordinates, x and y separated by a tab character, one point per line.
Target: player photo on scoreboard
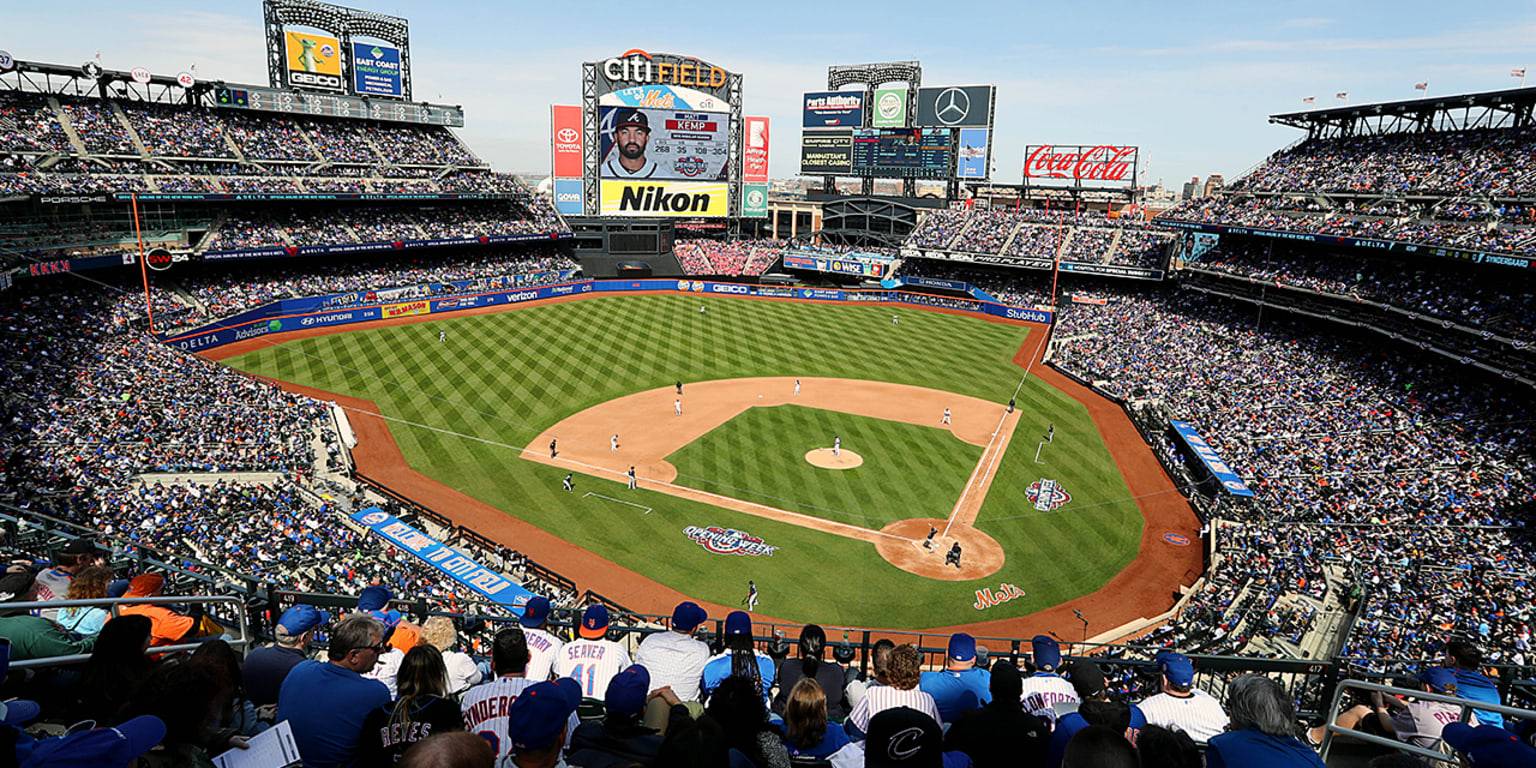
663	144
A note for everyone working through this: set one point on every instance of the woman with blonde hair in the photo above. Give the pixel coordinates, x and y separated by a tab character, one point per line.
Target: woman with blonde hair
89	584
805	722
422	709
439	633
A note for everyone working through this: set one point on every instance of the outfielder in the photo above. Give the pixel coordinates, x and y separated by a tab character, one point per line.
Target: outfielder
701	309
677	407
837	446
442	335
613	443
945	420
895	319
567	483
797	387
592	660
632	478
751	598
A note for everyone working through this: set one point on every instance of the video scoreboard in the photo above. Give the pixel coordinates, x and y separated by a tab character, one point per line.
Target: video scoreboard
918	153
939	133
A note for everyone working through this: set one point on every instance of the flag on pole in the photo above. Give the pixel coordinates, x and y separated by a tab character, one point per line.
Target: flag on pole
1341	95
1309	100
1424	86
1517	72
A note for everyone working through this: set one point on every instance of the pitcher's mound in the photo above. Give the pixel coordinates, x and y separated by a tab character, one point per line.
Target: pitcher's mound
822	457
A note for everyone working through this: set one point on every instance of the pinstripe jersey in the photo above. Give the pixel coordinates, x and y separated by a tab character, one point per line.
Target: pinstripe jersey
879	698
1042	691
487	708
542	647
592	663
1198	714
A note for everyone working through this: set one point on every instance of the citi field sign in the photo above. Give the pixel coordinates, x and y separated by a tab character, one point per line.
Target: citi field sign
638	67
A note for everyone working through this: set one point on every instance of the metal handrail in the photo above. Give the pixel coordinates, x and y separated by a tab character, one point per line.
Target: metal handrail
113	604
1467	707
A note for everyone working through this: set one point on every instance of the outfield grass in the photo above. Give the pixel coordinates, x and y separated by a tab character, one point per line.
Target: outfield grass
759	456
504	377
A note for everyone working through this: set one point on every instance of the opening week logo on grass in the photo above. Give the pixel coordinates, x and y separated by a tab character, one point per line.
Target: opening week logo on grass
729	541
1047	494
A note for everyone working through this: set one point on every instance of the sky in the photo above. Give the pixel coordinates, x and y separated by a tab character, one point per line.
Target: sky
1190	83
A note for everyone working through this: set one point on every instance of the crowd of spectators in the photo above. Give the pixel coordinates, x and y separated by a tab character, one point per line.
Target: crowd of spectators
1016	288
244	230
1090	237
702	256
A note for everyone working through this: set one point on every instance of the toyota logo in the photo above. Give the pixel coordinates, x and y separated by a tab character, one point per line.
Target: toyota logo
952	106
566	135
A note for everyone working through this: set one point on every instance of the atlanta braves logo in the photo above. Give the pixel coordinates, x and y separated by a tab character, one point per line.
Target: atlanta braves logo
729	541
1047	494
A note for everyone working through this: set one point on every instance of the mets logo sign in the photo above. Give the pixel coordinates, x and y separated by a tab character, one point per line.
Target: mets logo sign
1047	494
729	541
374	518
690	166
1176	539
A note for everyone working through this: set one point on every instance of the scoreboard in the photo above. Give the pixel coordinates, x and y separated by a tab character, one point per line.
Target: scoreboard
329	105
922	153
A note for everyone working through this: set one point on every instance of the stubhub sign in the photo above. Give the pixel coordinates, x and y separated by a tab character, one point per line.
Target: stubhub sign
568	197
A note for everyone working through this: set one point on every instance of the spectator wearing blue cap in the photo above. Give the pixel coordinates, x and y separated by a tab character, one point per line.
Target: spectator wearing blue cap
1043	690
620	739
374	602
325	702
543	645
539	723
592	659
1467	661
1416	722
1489	745
960	686
1181	706
267	667
485	707
740	657
1263	729
675	658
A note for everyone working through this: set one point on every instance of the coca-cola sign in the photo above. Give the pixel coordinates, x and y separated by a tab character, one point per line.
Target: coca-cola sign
1104	163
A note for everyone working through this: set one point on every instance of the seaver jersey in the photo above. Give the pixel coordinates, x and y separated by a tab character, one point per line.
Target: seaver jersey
592	663
486	707
542	647
1044	690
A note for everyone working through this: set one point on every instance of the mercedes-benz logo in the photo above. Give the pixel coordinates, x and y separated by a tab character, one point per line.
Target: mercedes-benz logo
952	106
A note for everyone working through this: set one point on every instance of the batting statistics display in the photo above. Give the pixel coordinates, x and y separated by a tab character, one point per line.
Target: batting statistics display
663	144
922	153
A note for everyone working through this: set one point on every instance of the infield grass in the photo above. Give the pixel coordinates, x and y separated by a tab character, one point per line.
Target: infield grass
504	377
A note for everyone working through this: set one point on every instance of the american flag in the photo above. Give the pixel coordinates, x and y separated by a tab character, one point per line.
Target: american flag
1341	95
1517	72
1309	100
1424	86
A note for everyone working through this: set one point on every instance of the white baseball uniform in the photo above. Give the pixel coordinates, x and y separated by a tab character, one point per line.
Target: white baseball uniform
837	446
592	663
613	443
542	647
442	335
1042	691
797	387
946	417
677	406
1198	714
487	707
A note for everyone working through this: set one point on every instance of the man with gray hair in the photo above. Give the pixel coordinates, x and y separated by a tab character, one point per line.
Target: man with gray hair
267	667
1263	729
325	701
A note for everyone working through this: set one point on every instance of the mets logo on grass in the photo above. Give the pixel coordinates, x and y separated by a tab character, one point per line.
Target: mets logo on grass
1047	494
986	598
729	541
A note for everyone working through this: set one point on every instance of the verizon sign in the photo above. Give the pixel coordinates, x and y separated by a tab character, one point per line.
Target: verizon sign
1102	163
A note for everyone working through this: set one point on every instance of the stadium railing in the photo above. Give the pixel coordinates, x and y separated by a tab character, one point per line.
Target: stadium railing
1335	731
237	613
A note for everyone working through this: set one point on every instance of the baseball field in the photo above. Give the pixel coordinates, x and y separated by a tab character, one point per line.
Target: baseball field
838	540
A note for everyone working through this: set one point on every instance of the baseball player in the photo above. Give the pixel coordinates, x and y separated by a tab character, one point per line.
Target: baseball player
679	387
567	483
1046	688
1050	434
552	451
751	598
613	443
592	660
837	446
945	420
677	407
542	646
797	387
1010	405
953	558
442	335
928	542
895	319
632	485
701	309
485	706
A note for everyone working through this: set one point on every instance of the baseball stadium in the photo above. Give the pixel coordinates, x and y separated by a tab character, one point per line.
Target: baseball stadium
300	386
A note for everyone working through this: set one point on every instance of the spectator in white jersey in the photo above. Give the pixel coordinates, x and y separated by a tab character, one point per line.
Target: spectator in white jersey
542	644
53	583
1181	706
903	671
675	658
592	659
1046	688
486	707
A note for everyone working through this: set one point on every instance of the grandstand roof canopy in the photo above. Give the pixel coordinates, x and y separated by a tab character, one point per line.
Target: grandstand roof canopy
1511	108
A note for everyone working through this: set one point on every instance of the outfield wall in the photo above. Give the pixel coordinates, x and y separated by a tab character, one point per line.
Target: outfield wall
362	307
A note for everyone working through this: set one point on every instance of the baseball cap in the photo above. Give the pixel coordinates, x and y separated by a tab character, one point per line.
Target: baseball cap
1177	668
627	691
962	647
540	712
18	712
1047	652
536	612
374	598
1087	679
302	618
903	737
103	747
687	616
14	587
633	117
738	623
145	585
1489	745
1438	678
594	622
78	547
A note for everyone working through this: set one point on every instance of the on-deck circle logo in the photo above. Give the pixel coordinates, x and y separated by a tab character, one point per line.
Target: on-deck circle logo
1059	495
729	541
374	518
1176	539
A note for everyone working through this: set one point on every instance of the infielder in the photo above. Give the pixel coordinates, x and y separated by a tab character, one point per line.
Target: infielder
632	478
797	387
567	483
552	447
679	387
1050	434
751	598
945	420
677	407
837	446
592	660
613	443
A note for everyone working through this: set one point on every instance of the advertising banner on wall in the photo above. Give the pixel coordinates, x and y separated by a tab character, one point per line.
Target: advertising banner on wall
568	196
565	141
890	108
973	154
754	200
833	109
376	70
1208	456
830	153
665	198
1079	163
436	555
313	61
663	144
960	106
755	163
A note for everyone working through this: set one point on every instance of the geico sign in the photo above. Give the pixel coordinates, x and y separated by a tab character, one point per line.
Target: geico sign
728	288
637	66
312	78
